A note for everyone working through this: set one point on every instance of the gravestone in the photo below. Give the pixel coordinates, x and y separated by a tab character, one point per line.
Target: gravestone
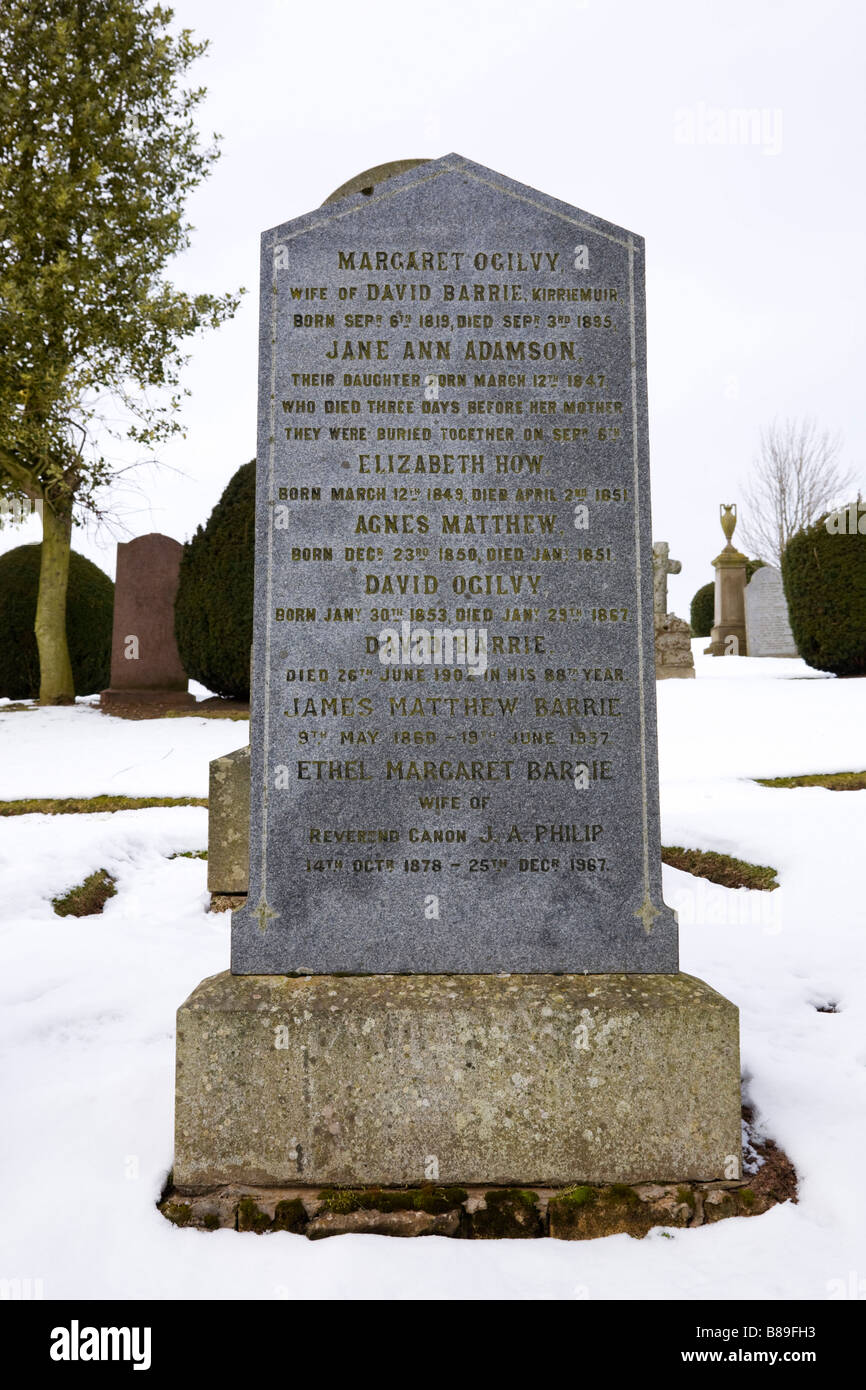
453	739
673	645
453	592
663	565
145	664
228	826
768	630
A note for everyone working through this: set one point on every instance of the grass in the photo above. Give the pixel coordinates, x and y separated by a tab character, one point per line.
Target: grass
89	805
87	898
212	713
833	781
720	868
189	854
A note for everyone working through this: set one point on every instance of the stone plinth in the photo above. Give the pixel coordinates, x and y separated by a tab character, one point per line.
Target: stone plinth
728	635
674	660
228	823
145	664
388	1080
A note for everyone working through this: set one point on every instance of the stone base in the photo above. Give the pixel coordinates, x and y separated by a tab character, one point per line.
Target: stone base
121	696
534	1080
673	647
719	640
479	1213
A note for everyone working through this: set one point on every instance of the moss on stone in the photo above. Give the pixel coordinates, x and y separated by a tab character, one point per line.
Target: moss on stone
734	1201
622	1191
577	1196
210	1221
434	1200
251	1217
586	1213
178	1213
339	1199
509	1213
290	1215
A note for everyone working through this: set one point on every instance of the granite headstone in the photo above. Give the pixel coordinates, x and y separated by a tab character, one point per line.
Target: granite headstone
453	737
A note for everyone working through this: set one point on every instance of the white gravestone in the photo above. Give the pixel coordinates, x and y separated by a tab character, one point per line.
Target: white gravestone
768	631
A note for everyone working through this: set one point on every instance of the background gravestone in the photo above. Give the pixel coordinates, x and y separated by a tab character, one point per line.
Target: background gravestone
768	630
674	660
145	665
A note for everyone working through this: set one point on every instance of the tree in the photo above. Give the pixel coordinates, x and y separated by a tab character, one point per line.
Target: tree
796	476
213	610
824	574
98	153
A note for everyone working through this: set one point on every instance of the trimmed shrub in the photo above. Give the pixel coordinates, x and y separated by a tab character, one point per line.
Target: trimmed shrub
213	611
702	610
89	611
824	575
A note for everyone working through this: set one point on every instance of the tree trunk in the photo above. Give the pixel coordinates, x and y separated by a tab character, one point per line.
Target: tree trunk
55	671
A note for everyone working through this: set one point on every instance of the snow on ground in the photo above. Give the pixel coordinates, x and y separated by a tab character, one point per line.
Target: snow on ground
78	751
88	1013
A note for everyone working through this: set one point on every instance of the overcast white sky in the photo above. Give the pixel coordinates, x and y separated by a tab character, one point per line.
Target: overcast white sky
756	303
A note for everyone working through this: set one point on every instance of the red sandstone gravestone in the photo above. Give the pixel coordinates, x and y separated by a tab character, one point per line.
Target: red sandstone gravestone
145	664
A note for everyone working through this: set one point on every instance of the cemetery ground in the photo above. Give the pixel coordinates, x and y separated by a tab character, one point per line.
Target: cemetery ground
89	1004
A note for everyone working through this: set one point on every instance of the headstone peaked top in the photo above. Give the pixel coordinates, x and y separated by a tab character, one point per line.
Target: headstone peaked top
453	734
768	629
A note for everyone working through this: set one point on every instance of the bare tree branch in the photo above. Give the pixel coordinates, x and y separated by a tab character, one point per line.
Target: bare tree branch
795	477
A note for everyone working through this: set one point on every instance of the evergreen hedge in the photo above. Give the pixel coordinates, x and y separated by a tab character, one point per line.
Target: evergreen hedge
702	610
213	611
824	575
89	612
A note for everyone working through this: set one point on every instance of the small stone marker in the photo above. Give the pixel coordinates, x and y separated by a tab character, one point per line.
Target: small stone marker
728	635
768	630
455	964
145	665
228	824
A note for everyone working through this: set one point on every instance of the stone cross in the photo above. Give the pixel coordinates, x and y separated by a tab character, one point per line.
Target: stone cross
662	567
